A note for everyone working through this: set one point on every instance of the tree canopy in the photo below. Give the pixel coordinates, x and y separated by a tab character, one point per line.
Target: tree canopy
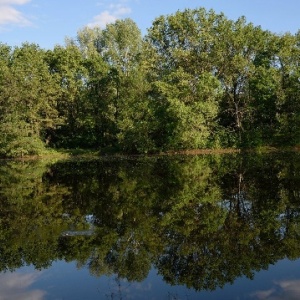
195	80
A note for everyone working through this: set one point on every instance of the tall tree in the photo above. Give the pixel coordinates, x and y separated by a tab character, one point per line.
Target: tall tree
121	46
288	101
67	67
29	102
236	47
181	68
99	87
115	85
264	85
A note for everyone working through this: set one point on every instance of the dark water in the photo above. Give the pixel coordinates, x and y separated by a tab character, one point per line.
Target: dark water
183	227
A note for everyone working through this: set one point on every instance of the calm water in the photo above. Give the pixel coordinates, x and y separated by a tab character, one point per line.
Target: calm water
183	227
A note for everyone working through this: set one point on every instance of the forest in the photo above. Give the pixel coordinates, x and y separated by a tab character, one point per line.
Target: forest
195	80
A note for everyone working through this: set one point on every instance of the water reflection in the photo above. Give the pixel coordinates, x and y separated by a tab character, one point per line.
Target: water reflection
201	221
17	286
286	289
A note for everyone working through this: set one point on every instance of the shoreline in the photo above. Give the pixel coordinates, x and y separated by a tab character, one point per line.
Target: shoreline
93	154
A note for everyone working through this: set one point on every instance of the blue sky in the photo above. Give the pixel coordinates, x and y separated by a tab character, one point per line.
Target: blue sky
48	22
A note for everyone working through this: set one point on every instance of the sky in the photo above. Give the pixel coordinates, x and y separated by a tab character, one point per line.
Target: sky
48	22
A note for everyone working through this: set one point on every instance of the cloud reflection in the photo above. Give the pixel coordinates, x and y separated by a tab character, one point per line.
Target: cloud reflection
16	286
285	289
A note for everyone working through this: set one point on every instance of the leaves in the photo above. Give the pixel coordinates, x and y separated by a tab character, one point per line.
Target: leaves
196	80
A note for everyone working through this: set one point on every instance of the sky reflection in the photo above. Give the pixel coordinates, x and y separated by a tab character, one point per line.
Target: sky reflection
17	286
285	289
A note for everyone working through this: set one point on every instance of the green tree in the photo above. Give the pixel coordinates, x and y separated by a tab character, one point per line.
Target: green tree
288	100
99	90
116	86
68	70
236	48
181	71
121	47
29	102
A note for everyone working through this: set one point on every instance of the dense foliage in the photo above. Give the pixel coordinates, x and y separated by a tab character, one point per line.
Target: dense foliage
195	80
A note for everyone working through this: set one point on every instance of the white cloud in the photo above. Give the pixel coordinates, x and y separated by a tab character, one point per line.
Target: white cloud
12	2
119	9
15	286
10	15
103	19
110	15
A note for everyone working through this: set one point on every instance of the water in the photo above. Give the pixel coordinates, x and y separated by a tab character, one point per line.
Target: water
181	227
65	281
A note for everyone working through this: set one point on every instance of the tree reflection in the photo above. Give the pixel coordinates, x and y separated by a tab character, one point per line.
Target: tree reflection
202	221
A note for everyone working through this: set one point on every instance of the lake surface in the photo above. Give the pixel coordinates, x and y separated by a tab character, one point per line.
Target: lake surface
182	227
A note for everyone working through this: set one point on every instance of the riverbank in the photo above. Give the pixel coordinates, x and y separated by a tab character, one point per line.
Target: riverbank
61	154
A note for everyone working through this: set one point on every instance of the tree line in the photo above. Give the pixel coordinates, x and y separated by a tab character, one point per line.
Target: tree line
195	80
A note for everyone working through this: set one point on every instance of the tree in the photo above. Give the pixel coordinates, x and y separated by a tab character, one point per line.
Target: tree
181	66
237	46
99	92
68	70
29	102
115	86
288	100
121	46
